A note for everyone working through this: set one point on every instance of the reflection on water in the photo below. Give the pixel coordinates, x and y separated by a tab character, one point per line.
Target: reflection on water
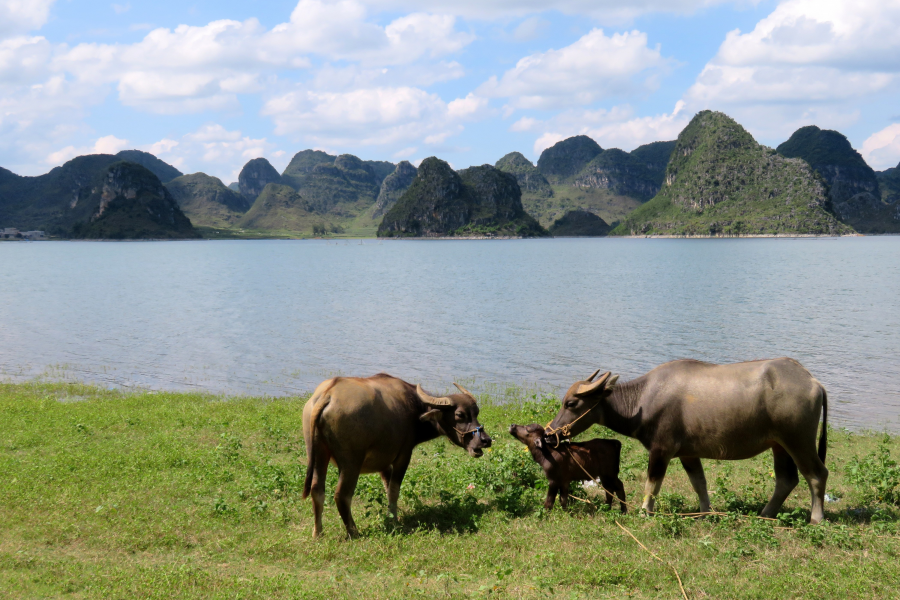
277	317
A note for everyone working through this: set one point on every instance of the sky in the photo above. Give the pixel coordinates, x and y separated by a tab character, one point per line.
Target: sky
207	85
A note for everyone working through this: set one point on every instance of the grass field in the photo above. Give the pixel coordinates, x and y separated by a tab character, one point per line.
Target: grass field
158	495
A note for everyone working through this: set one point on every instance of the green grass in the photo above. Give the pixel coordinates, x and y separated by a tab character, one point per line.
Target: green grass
162	495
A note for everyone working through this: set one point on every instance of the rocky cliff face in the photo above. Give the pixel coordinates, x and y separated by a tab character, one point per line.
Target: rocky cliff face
889	183
853	186
530	179
130	202
496	195
393	187
619	172
256	175
721	182
476	201
206	201
579	223
566	158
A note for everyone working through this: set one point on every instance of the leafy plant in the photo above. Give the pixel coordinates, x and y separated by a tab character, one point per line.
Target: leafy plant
876	477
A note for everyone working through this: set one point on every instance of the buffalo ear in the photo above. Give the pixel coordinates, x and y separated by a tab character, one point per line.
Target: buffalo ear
539	443
432	415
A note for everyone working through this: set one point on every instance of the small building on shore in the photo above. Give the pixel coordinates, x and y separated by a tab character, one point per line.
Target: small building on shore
11	233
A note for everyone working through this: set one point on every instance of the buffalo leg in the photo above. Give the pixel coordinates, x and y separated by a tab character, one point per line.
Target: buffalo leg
564	496
386	479
614	484
816	475
552	490
608	486
785	481
343	497
317	487
694	469
398	472
656	472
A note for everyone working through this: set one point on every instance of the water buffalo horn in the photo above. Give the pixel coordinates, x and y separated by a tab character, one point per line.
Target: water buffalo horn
465	391
586	389
431	400
591	378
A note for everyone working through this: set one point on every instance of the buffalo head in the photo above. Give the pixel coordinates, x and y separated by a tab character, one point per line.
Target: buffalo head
582	398
530	435
456	416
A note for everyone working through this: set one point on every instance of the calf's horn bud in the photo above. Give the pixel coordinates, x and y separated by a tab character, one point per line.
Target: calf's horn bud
431	400
465	391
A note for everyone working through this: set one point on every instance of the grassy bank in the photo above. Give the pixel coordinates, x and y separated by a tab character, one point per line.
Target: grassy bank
107	495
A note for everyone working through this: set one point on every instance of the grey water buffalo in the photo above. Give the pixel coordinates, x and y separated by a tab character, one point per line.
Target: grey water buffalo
371	425
567	462
690	410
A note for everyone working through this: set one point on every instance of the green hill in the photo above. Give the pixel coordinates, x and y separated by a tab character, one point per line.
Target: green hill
579	223
721	182
618	172
255	176
655	156
531	180
129	202
279	208
93	196
608	183
206	200
476	201
163	170
566	158
853	186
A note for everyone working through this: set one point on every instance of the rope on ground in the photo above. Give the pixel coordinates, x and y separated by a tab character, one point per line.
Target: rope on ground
665	562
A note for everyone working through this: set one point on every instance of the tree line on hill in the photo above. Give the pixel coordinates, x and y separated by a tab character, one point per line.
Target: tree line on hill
715	179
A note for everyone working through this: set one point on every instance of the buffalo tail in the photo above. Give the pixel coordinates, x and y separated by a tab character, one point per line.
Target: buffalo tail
823	439
318	407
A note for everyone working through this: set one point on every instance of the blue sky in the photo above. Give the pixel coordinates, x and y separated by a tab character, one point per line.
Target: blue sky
208	85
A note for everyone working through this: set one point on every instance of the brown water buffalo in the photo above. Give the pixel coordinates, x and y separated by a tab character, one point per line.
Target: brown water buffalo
371	425
567	462
690	410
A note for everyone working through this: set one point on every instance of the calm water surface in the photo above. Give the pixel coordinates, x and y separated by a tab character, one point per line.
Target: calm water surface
277	317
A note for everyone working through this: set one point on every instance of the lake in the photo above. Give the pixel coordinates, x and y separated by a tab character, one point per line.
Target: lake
277	317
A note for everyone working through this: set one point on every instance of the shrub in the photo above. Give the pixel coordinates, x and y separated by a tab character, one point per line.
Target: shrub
877	476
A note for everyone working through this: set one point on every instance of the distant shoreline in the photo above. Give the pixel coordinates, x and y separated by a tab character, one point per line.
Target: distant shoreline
484	237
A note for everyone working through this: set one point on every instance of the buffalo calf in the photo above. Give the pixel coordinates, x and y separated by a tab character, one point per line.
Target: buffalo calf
569	462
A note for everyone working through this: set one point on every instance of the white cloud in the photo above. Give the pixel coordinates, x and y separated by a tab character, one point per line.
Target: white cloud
808	58
470	107
594	67
609	11
19	16
120	9
882	149
530	29
338	30
372	116
201	68
342	78
216	151
109	144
